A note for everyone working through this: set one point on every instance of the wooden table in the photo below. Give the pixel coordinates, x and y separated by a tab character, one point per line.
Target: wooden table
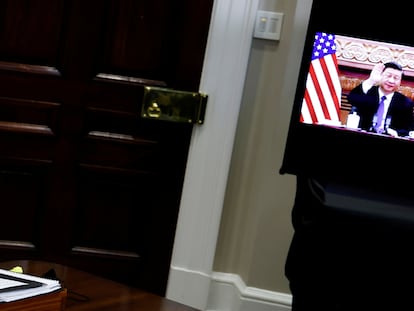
87	292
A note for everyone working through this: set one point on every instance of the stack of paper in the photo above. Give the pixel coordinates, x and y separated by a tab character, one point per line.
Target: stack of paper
15	286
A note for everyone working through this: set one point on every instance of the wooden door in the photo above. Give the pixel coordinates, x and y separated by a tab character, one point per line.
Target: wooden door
84	180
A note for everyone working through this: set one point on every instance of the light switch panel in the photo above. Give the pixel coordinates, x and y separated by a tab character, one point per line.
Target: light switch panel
268	25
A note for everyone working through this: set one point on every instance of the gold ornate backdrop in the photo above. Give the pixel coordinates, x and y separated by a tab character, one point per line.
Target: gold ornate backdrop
357	56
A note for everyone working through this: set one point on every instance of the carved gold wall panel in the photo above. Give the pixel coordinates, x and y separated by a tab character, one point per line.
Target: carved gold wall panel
362	53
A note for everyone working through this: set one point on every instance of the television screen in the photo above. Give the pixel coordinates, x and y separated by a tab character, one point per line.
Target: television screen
352	58
334	93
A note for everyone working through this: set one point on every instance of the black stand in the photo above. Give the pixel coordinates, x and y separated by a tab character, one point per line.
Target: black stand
351	250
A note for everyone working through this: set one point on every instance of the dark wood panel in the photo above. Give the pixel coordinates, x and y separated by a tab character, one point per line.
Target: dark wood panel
29	112
23	194
24	146
101	186
113	150
31	69
113	209
148	39
148	22
114	96
26	36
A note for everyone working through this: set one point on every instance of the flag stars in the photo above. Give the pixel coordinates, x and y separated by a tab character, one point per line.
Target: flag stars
324	44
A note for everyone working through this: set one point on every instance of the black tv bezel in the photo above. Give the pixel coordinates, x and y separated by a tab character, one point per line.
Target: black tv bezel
348	156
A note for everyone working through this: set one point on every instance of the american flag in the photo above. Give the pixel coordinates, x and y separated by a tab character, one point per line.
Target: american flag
322	98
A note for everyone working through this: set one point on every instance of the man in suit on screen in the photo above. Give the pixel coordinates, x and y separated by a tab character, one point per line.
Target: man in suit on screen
382	109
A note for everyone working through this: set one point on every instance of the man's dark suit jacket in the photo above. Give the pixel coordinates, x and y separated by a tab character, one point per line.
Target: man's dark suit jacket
400	110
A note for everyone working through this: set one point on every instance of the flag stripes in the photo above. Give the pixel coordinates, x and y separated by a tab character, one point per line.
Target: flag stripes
322	98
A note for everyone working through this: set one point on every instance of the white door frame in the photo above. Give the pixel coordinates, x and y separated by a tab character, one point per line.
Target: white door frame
223	77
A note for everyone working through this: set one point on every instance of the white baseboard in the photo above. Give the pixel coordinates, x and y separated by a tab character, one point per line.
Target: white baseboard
223	292
190	287
229	292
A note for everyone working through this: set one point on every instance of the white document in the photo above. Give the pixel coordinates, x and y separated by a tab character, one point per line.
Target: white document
15	286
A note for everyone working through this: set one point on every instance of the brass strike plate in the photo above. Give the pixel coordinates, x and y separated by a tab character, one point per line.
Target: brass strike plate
173	105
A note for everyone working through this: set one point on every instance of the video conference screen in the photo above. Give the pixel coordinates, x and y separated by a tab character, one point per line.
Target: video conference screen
339	65
352	113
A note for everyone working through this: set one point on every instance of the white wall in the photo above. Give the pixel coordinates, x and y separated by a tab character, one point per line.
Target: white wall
234	226
256	227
